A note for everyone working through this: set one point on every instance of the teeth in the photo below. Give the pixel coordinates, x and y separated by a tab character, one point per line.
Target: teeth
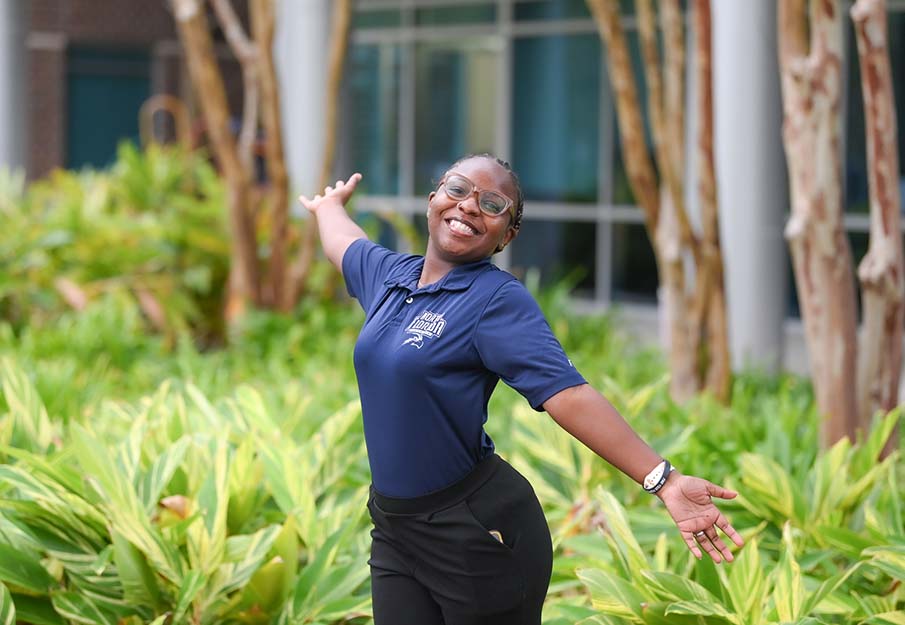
458	226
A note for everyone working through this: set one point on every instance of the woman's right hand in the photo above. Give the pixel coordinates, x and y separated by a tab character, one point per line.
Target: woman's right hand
339	193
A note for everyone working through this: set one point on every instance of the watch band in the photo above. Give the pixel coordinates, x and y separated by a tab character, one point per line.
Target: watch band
655	480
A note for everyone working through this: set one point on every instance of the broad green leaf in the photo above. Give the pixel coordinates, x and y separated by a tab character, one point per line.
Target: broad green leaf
788	589
887	618
191	585
244	555
126	512
827	587
207	540
160	474
825	491
767	485
80	609
618	527
889	559
137	578
674	587
7	608
23	570
613	595
748	582
36	610
29	415
702	608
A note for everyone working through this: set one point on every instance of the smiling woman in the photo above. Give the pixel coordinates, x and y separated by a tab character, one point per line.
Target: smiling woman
459	536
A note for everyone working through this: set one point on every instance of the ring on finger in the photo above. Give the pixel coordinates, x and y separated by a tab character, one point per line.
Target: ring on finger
700	535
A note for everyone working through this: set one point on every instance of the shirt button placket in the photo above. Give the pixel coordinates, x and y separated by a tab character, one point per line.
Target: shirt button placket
409	299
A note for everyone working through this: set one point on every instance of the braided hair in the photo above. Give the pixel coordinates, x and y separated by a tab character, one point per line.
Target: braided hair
519	197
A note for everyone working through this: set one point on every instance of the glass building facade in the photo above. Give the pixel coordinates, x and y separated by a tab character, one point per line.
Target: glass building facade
429	81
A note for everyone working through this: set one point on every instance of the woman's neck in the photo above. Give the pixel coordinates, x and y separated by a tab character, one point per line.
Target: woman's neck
434	269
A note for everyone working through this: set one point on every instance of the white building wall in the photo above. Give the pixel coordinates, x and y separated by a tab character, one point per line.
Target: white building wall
301	51
13	87
751	178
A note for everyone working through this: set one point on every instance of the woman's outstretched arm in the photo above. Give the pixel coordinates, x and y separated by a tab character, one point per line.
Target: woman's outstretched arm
589	417
337	230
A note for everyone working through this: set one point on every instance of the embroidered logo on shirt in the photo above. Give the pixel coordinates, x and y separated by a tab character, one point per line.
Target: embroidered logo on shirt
428	325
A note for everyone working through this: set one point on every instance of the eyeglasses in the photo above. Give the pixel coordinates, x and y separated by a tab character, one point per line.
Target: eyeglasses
460	188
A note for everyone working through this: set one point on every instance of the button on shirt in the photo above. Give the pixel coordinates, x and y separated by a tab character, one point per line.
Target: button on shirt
427	360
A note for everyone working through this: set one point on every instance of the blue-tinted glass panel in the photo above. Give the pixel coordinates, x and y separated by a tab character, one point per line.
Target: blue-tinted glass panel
372	116
634	265
856	182
467	14
387	18
455	93
551	9
556	116
105	90
559	250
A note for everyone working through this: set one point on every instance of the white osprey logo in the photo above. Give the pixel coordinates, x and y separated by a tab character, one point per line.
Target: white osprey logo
427	325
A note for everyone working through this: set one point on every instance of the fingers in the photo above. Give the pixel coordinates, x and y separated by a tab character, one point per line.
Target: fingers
692	545
723	523
719	491
707	540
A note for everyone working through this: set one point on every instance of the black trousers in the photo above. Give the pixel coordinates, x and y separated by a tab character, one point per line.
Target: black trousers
434	560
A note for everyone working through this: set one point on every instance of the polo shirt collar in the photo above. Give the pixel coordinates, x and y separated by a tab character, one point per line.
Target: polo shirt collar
458	279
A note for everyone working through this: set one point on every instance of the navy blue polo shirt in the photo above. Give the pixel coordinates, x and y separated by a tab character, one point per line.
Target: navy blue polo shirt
427	360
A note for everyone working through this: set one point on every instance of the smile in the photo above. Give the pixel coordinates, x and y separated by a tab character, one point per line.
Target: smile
460	227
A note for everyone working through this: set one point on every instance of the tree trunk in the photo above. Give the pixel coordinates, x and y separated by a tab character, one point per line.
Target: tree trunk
342	20
263	22
638	163
882	269
709	310
202	63
811	86
695	319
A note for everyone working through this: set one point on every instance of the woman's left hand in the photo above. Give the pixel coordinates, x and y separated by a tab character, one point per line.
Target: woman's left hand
688	500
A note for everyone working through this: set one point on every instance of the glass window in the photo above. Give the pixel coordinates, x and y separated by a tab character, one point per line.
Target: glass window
468	14
634	265
559	250
372	116
105	89
387	18
455	93
556	113
551	9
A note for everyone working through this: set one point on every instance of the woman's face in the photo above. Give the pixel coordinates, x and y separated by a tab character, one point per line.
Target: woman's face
460	232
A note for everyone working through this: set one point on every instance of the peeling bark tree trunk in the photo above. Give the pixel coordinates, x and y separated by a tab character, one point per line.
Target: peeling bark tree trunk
263	20
205	75
709	307
811	89
882	269
694	310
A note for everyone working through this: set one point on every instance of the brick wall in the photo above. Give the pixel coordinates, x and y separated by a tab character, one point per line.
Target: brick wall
57	25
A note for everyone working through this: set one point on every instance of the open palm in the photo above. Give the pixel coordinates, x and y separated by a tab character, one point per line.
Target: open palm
689	502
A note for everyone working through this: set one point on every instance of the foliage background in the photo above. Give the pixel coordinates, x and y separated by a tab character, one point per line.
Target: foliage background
154	470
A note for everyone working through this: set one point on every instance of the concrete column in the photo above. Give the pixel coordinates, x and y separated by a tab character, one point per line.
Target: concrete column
302	51
13	56
751	178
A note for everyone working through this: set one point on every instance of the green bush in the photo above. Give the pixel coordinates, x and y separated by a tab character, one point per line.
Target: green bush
152	228
235	491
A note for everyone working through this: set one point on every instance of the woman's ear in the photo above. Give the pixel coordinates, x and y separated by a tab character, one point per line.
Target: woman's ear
507	238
